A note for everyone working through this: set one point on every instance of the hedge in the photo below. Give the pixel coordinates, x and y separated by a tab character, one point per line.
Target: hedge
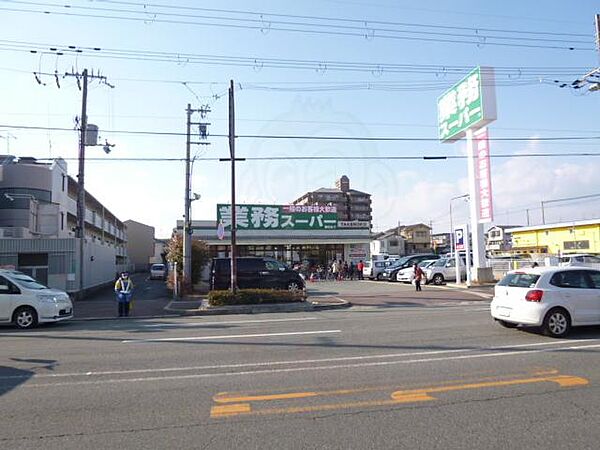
253	297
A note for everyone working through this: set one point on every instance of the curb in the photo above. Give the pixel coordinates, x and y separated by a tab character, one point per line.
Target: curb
90	319
261	309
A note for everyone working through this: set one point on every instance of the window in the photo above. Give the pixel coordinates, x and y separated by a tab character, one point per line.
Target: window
571	279
595	277
6	287
62	220
518	279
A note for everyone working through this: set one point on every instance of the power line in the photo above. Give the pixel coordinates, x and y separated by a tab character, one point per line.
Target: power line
337	19
324	138
266	21
440	70
336	158
251	24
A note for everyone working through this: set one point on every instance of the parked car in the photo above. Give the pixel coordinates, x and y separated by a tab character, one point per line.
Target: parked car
374	268
26	303
580	260
158	272
407	275
391	272
443	270
555	298
255	273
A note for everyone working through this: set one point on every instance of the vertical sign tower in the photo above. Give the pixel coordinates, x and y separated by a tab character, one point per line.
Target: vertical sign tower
464	111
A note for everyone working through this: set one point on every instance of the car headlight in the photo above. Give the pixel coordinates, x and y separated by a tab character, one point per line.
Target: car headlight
48	298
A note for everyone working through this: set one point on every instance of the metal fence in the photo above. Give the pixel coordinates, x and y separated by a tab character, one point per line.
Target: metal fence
501	266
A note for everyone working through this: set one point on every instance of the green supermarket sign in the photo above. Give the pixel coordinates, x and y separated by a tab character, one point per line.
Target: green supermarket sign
279	217
469	104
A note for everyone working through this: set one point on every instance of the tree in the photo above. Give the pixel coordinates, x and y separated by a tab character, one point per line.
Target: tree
200	256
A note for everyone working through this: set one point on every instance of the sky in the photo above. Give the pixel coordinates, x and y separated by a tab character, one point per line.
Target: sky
306	69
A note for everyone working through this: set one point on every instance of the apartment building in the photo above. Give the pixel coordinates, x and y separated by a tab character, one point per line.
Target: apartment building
38	219
351	205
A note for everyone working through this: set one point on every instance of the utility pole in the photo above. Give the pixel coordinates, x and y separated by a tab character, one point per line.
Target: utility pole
233	215
80	180
187	216
80	232
187	231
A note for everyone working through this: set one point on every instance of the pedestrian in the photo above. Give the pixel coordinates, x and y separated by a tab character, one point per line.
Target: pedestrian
124	291
335	269
352	269
345	270
359	267
417	276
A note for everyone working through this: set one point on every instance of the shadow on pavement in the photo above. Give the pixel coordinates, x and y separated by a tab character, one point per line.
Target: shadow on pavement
12	377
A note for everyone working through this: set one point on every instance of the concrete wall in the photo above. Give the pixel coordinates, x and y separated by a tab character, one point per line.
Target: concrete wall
140	244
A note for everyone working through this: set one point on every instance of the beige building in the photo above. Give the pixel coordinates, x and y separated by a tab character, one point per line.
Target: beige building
417	238
140	244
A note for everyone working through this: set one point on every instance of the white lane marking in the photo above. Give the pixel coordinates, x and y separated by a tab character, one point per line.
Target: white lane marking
290	362
305	369
231	336
229	322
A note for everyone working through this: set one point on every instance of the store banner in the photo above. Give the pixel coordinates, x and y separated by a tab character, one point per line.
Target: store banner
484	178
279	217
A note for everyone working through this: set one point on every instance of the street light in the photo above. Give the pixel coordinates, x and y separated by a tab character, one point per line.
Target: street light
465	196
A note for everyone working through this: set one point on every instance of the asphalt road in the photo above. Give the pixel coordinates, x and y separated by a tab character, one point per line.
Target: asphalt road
405	377
149	299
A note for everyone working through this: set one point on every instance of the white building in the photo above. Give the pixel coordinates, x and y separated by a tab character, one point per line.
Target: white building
38	217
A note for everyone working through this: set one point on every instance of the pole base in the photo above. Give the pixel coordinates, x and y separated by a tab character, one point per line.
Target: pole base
482	275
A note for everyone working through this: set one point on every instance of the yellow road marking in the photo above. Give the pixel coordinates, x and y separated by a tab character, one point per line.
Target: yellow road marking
562	380
231	405
262	398
230	410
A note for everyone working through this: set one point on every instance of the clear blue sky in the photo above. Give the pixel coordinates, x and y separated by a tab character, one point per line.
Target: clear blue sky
405	191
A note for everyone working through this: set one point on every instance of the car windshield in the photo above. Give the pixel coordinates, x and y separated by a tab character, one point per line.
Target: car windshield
398	263
440	263
519	279
26	281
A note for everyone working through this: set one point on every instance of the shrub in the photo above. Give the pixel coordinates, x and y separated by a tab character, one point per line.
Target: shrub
253	297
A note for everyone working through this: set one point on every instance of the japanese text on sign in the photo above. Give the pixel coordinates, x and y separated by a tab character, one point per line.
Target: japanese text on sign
484	181
462	106
278	217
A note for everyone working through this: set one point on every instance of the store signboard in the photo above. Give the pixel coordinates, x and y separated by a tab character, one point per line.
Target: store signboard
470	103
279	217
483	175
353	224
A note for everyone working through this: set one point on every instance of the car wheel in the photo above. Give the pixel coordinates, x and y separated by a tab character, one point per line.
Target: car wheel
506	324
557	323
25	317
438	279
294	286
378	277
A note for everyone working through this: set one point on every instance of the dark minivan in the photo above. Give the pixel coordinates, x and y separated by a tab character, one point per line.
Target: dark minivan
392	270
254	273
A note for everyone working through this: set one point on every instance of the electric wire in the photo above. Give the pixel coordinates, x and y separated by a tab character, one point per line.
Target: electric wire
476	40
301	137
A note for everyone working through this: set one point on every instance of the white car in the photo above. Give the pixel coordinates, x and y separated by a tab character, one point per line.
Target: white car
25	302
407	275
554	298
444	270
580	260
158	272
